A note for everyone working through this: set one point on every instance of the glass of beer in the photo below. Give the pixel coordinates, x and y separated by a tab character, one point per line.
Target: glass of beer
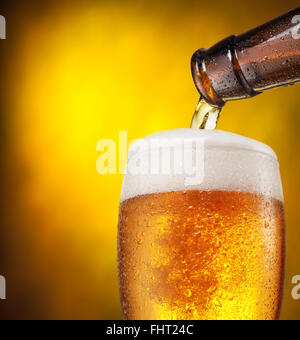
201	229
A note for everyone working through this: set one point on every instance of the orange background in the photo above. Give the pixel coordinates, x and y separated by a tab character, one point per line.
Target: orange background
74	72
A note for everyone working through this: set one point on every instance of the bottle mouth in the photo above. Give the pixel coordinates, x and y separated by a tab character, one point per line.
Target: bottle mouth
202	81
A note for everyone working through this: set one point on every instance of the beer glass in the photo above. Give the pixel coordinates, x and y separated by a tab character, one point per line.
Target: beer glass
201	229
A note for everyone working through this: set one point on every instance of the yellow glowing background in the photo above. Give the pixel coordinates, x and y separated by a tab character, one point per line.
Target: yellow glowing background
74	72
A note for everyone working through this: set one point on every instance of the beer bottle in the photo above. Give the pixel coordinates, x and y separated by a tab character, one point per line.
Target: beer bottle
243	66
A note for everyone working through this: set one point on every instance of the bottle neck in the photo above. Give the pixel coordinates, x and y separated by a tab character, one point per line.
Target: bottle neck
243	66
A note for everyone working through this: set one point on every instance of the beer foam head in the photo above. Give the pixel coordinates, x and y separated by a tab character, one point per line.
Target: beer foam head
187	159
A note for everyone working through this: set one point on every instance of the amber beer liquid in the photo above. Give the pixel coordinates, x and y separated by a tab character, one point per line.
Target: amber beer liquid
210	252
201	255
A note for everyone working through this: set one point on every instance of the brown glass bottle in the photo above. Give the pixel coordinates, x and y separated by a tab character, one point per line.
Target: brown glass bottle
243	66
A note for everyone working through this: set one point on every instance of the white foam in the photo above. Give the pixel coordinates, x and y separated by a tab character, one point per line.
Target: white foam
231	162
